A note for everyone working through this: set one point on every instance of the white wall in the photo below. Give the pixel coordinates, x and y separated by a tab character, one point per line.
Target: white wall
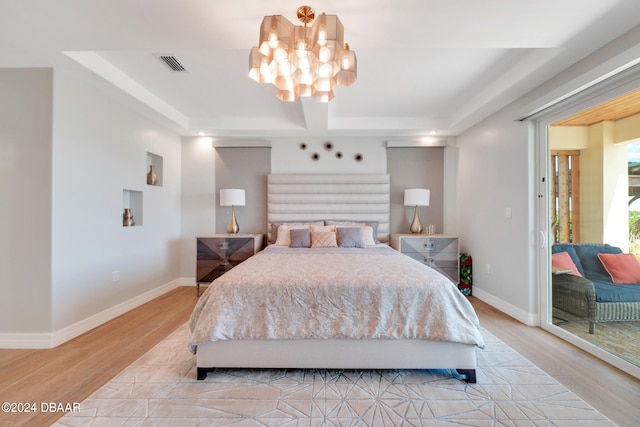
198	198
25	194
497	170
100	148
493	177
288	157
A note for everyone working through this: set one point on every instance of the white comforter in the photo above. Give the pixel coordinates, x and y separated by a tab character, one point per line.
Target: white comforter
283	293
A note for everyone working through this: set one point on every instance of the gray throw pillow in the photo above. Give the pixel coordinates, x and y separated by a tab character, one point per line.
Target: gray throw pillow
350	237
300	238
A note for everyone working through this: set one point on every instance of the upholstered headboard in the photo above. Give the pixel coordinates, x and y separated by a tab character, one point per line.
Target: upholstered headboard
310	197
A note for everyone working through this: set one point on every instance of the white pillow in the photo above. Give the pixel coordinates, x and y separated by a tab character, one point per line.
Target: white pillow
367	236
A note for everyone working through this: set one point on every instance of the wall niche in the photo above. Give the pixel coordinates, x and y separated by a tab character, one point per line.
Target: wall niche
154	167
132	200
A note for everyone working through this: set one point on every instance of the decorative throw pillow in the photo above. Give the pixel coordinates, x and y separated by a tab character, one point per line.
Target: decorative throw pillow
591	265
323	239
325	228
570	249
623	268
367	236
300	238
274	226
563	260
350	237
350	223
284	234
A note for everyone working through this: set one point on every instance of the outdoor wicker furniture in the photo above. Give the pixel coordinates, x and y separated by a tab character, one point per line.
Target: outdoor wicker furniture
593	296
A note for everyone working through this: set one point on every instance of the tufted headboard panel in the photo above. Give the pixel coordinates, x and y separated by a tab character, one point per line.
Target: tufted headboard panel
310	197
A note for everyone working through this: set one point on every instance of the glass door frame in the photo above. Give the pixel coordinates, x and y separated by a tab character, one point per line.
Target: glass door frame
539	124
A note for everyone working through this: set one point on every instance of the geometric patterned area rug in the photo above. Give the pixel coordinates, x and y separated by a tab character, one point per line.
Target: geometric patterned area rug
161	389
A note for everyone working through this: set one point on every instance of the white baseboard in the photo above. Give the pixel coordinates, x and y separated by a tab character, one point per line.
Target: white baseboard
53	339
529	319
25	340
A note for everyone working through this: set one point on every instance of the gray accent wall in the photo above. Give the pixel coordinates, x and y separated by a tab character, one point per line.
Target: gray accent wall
409	167
246	168
416	167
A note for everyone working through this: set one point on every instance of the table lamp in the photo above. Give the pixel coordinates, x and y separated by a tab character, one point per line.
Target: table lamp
416	197
232	197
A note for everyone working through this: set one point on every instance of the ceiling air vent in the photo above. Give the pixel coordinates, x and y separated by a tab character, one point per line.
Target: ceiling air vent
172	62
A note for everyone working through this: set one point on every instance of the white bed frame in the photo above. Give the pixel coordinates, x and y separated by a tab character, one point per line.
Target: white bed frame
298	197
337	354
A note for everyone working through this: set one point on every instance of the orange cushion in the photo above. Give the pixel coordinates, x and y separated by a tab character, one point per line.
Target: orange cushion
623	268
563	260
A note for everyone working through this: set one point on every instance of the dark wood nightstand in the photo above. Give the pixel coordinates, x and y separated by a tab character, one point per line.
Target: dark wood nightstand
221	252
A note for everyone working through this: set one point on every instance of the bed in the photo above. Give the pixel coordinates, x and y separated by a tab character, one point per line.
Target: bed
363	307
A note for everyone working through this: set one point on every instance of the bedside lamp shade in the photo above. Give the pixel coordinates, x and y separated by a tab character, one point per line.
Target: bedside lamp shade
416	197
232	197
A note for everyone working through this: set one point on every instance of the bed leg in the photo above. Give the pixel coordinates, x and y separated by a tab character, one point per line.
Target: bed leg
470	375
592	327
202	373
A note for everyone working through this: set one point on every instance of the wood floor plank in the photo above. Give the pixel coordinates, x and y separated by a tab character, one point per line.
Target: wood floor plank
74	370
77	368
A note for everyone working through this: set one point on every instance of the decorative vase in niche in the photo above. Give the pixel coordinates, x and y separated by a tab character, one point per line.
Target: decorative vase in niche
152	178
127	218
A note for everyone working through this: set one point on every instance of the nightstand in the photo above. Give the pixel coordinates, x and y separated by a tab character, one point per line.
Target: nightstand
438	251
221	252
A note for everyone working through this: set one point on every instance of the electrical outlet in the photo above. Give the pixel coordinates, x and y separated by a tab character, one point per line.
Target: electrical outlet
487	268
115	276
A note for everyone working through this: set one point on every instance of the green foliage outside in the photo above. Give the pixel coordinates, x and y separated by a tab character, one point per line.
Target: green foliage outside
634	233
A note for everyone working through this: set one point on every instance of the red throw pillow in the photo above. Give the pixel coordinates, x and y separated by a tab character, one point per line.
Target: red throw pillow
563	260
623	268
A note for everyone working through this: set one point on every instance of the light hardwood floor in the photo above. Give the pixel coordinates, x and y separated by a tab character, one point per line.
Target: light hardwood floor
74	370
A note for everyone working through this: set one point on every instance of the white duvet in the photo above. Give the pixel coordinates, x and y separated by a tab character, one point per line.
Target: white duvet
370	293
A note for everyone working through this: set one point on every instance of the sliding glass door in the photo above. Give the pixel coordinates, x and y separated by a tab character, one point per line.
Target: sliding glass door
583	196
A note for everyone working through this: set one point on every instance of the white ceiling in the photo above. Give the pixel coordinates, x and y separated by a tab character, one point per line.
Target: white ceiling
423	65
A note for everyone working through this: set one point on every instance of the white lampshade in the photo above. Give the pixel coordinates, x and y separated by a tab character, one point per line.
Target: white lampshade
231	197
416	197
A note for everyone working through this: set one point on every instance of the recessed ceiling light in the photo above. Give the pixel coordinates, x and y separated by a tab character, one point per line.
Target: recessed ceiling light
433	132
201	133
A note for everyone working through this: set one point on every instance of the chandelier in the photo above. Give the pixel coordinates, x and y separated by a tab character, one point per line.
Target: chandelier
303	60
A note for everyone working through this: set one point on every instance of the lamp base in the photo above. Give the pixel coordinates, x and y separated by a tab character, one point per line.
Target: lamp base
416	225
233	227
